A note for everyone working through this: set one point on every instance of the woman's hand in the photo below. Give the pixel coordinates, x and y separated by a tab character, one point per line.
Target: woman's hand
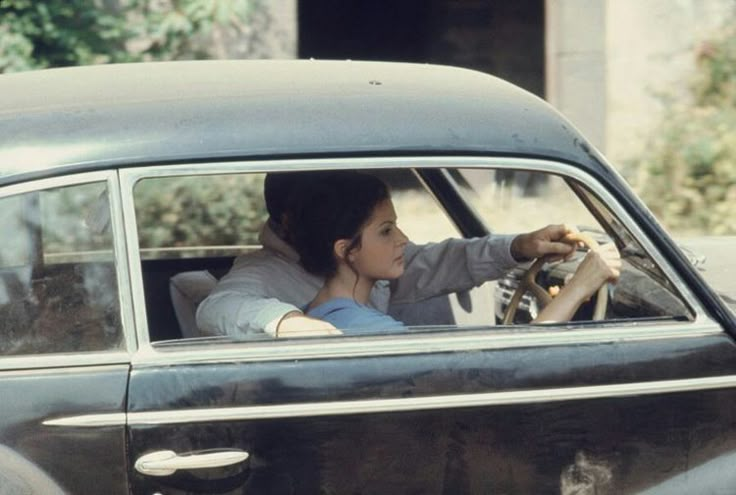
597	268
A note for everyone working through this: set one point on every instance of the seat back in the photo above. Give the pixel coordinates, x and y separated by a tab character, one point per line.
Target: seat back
188	290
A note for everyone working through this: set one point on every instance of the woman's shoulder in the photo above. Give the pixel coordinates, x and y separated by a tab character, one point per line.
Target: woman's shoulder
345	313
337	305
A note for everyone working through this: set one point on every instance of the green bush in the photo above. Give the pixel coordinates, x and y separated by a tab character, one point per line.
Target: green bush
200	211
36	34
688	173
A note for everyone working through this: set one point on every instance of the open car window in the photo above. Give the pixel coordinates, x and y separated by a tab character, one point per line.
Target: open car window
192	229
199	216
525	200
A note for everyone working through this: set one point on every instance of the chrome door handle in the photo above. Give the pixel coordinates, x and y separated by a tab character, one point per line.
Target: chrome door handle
166	462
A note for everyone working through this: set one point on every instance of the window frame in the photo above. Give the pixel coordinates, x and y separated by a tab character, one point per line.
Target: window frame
86	358
191	350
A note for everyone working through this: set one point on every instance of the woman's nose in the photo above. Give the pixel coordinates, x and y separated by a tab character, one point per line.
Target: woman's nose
403	240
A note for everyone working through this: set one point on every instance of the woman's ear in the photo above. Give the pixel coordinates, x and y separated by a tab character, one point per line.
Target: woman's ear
340	248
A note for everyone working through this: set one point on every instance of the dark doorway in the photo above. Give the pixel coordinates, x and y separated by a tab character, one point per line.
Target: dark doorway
500	37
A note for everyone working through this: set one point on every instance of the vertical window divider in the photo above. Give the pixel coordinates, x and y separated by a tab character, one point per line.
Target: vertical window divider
127	180
122	265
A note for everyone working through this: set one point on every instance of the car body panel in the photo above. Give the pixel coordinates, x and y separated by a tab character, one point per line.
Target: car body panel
111	115
314	379
375	435
529	448
39	457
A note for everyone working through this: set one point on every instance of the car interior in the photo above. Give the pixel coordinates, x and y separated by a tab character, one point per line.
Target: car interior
57	271
180	270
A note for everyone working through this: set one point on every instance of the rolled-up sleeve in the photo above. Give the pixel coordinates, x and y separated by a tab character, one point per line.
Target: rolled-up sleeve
237	313
452	265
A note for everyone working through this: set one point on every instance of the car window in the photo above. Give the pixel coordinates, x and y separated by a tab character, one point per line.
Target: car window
190	216
58	288
211	215
192	229
419	215
522	200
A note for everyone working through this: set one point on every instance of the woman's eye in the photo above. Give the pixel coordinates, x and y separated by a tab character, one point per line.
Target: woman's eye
386	231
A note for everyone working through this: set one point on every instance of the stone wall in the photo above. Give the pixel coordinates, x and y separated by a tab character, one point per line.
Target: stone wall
575	63
269	32
612	64
651	48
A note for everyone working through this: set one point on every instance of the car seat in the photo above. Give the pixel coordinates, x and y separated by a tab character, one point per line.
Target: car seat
188	290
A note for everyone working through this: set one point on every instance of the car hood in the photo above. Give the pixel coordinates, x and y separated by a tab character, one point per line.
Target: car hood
711	257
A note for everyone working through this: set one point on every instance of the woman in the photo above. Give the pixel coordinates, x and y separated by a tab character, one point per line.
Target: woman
344	229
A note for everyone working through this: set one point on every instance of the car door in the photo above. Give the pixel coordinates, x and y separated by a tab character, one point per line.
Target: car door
633	402
64	357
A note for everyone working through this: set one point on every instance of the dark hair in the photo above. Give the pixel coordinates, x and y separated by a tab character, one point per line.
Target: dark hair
278	188
335	207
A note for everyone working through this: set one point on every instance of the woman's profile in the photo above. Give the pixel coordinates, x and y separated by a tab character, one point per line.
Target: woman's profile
345	229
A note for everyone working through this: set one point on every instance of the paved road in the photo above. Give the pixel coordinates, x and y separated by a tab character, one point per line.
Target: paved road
719	267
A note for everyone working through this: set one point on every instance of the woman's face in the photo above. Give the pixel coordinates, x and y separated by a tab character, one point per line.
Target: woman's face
381	252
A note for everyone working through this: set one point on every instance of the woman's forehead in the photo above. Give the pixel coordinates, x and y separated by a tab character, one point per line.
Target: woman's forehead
383	211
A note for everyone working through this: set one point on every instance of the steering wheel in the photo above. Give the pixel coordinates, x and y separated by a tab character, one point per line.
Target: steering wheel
528	282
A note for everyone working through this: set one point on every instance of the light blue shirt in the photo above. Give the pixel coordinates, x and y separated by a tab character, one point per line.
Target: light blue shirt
355	318
267	284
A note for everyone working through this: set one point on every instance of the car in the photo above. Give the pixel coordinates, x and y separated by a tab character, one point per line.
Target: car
126	191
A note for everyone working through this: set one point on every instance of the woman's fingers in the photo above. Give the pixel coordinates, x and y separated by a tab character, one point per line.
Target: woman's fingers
612	258
606	262
599	266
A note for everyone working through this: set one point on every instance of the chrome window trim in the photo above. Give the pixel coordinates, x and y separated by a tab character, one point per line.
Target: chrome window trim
393	405
129	177
62	360
81	370
84	358
465	339
55	182
122	268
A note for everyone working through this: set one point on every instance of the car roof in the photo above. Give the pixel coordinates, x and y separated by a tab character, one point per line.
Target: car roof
85	118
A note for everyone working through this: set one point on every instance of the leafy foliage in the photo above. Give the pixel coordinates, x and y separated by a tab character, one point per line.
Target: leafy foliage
200	211
36	34
688	175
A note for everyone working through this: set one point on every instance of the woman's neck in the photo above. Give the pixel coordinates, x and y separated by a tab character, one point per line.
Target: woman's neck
343	284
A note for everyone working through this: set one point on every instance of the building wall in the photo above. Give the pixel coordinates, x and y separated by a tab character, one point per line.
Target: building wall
576	55
651	49
609	65
613	64
270	31
500	37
